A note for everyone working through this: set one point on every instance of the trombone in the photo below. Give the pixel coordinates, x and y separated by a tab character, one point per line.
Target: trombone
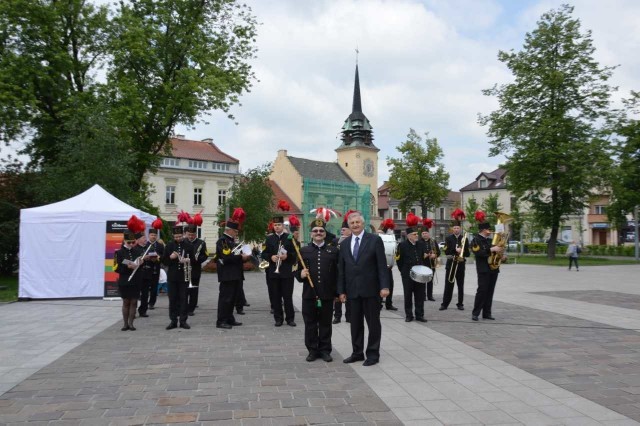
457	259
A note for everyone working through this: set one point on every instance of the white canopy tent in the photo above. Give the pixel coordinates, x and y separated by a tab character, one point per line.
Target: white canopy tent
62	245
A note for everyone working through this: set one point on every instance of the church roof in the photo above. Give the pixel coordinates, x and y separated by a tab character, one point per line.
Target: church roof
357	130
321	170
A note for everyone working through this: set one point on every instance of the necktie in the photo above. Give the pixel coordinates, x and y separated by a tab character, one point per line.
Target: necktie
356	247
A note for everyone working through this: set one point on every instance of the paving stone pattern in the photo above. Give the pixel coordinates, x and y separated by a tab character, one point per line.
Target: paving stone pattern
598	362
255	374
610	298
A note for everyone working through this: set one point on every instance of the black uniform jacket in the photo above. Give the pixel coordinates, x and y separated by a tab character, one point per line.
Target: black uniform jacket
271	245
200	247
322	263
229	266
482	250
152	266
409	255
175	268
366	276
450	244
123	270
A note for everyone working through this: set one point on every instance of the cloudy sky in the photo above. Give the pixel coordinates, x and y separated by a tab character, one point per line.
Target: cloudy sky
422	65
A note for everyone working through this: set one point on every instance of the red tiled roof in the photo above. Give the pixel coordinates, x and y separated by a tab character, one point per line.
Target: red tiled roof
199	150
278	194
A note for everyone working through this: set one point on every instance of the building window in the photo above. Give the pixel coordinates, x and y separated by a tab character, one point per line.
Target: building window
193	164
170	162
222	196
599	209
441	213
223	167
170	195
395	214
482	183
197	196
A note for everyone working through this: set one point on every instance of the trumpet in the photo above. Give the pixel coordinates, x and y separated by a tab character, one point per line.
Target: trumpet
187	268
279	261
456	260
237	249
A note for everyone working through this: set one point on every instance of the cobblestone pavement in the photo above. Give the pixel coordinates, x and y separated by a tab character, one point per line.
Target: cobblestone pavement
600	297
546	360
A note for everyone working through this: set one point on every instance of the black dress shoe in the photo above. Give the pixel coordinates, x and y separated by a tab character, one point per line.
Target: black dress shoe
152	307
442	308
172	325
125	328
191	313
291	323
353	358
391	308
460	307
278	323
236	323
132	328
336	320
431	299
489	318
408	319
474	317
326	357
225	326
421	320
246	304
311	357
369	362
185	325
144	315
240	312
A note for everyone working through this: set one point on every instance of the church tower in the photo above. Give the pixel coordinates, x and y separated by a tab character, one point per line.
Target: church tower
357	155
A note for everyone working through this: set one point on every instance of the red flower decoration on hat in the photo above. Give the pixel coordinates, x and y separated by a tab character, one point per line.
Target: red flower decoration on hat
479	216
157	224
270	226
284	206
239	215
427	223
388	224
183	217
197	219
458	214
294	221
325	213
412	220
135	224
347	214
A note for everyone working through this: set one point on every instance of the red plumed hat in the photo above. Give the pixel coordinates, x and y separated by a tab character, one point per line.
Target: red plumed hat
345	222
157	224
325	213
197	219
184	217
412	219
458	214
135	224
294	223
387	224
427	223
239	215
480	216
284	206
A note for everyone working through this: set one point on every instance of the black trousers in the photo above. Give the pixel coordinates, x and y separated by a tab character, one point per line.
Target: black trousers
226	300
178	301
337	308
192	293
317	325
272	294
366	308
240	297
388	301
448	287
573	260
283	294
484	294
413	293
148	291
429	294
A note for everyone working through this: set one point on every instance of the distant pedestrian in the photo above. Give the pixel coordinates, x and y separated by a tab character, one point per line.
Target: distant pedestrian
572	252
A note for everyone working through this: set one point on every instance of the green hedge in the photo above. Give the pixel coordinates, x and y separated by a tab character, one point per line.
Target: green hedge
610	250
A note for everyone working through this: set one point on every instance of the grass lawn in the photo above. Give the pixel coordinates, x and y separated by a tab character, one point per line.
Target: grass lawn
10	293
564	261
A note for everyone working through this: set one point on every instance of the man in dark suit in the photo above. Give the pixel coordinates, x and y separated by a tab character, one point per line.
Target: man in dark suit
409	254
201	254
178	255
230	274
364	279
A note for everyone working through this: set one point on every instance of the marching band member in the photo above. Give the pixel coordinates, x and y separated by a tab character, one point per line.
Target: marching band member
387	226
127	261
455	252
201	254
150	269
432	252
178	257
229	268
487	277
409	254
321	261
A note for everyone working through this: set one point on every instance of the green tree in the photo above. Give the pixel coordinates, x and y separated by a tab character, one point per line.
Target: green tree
418	176
490	205
252	192
470	209
625	182
548	121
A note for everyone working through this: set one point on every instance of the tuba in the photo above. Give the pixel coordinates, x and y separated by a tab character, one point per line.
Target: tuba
500	239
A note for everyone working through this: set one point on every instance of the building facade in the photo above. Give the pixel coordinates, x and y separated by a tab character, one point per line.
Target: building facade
197	177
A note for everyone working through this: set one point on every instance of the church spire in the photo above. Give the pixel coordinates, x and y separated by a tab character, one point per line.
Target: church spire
357	130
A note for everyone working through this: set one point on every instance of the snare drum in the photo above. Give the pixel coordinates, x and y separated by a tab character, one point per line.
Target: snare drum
421	273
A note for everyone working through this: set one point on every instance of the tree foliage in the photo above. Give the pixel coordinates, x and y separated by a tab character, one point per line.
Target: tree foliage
149	64
625	181
548	121
252	192
418	176
489	206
